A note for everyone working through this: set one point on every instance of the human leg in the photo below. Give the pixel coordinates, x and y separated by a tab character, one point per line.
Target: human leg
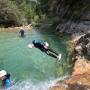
52	53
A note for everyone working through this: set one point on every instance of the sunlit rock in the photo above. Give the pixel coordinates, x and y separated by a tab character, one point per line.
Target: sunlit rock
80	77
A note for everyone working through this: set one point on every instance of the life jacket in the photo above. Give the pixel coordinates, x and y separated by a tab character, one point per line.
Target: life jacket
7	83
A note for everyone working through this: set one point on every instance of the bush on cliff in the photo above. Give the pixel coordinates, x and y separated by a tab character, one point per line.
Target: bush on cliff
9	14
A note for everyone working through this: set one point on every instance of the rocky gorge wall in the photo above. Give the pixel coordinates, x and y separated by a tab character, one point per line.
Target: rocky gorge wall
70	27
74	15
70	9
80	78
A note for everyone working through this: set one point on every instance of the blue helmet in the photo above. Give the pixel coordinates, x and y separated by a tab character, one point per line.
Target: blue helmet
36	41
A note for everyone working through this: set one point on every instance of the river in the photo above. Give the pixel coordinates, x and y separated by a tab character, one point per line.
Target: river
32	69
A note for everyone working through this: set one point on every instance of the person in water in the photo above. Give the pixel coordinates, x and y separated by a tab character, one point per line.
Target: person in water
5	78
22	32
44	47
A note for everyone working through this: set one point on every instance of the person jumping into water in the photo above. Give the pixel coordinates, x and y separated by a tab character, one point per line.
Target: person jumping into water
44	47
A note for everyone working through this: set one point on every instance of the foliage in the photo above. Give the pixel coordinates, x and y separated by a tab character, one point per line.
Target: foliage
15	12
9	14
20	11
43	4
30	9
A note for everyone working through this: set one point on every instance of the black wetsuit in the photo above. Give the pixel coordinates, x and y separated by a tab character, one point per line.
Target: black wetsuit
22	33
48	51
51	52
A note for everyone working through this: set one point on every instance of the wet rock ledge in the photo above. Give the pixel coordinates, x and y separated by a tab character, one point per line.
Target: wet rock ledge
80	78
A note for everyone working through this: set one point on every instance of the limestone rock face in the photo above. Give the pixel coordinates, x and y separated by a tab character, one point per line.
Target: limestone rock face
88	49
81	66
80	78
83	47
71	27
70	9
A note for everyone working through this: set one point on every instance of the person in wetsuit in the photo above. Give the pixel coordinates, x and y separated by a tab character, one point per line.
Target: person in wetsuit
22	32
5	78
44	47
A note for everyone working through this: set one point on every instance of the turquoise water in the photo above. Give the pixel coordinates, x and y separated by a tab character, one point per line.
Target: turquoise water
31	64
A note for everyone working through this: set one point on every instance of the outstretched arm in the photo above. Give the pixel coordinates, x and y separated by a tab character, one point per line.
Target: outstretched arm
31	46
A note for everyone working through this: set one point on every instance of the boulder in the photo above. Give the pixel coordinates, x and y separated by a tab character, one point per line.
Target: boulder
83	47
80	78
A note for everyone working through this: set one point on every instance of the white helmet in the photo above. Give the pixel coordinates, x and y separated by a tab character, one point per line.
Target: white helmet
46	44
2	73
30	45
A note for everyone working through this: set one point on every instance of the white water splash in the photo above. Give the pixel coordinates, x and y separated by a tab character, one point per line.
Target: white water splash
29	85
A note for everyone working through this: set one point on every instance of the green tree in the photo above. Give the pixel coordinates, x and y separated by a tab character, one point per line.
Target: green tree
9	14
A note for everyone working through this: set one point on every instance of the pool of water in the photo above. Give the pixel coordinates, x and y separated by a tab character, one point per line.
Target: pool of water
31	64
